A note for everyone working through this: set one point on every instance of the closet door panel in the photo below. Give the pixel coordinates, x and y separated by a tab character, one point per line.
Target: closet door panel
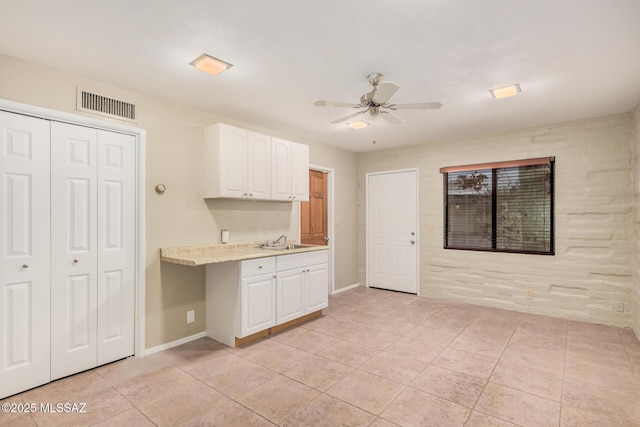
116	245
73	249
24	253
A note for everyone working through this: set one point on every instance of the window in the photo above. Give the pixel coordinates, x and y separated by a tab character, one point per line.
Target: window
500	207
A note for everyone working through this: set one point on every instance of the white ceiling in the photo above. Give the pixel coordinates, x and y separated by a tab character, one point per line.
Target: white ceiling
574	59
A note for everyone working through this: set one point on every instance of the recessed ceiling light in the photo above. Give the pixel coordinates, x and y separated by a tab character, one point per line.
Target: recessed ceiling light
360	124
210	65
506	91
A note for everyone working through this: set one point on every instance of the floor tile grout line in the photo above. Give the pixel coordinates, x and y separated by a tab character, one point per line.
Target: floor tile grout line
488	380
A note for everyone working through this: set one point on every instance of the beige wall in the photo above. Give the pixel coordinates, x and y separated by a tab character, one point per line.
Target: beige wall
591	272
635	302
174	135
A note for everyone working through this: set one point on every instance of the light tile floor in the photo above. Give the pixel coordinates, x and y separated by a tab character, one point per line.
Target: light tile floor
376	358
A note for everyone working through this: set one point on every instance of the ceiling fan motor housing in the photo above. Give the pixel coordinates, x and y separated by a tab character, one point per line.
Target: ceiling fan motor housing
375	78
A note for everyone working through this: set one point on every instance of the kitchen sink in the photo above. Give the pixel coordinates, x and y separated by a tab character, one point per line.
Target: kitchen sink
283	247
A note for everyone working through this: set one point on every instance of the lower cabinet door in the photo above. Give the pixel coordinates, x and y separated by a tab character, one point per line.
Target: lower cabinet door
258	300
317	287
291	295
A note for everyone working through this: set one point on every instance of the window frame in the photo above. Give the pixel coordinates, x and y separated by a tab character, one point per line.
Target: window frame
493	168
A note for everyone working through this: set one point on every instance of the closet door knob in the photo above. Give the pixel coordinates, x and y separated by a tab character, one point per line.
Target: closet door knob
25	265
75	261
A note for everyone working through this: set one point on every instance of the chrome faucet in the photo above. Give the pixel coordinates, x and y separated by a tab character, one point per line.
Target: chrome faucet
275	242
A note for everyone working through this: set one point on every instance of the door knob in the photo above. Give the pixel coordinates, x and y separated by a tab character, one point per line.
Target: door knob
25	265
413	242
413	233
326	239
75	261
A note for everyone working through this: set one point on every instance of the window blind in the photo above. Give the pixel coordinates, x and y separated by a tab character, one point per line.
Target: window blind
503	207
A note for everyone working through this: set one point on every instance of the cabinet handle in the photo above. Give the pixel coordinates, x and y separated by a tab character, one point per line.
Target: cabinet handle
250	194
259	267
75	261
25	265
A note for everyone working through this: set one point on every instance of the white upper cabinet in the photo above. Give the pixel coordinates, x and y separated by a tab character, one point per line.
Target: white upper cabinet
236	163
289	170
241	164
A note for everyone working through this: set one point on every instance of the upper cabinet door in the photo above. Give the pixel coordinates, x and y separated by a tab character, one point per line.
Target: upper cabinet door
225	161
300	172
280	169
24	253
259	166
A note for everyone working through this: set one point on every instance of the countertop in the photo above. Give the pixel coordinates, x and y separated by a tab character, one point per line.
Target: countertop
210	254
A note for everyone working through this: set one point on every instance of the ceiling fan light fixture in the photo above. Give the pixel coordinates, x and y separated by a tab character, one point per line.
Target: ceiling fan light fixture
211	65
506	91
359	124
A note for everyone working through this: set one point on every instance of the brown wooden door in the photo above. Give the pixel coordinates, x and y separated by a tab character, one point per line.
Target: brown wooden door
314	229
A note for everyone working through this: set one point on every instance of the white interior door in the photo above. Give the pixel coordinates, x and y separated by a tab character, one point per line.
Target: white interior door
116	245
24	253
74	254
392	226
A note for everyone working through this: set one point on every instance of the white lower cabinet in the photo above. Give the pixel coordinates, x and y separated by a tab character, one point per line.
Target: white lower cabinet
247	297
302	284
257	296
290	295
317	287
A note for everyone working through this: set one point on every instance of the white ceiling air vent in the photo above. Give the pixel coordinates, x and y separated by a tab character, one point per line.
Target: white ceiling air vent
103	106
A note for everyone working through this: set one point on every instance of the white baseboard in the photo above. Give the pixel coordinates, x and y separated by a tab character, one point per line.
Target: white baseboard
346	288
175	343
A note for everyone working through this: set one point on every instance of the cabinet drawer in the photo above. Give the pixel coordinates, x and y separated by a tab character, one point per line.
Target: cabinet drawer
305	259
255	267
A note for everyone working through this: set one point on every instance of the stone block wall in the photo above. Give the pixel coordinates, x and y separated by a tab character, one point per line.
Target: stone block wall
590	277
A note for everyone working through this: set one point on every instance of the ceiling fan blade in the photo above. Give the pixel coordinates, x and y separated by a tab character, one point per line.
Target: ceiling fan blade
416	106
345	118
322	103
384	92
391	118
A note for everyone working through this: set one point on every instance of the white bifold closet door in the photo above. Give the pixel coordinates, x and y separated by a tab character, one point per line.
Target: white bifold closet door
24	253
92	247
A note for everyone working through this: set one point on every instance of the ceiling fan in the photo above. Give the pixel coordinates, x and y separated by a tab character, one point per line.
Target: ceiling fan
376	102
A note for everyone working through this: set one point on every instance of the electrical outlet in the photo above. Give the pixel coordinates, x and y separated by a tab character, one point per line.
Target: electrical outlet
191	316
529	294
